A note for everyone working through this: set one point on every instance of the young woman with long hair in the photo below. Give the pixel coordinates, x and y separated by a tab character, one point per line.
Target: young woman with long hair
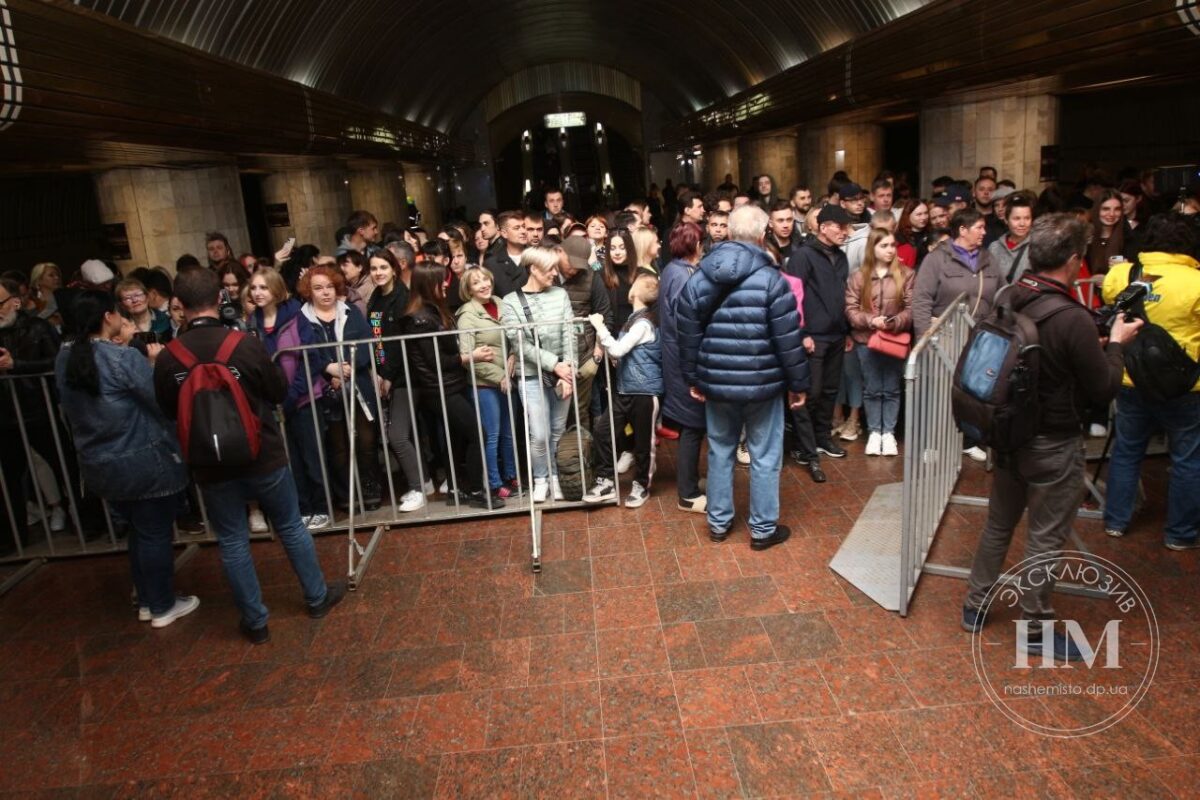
620	268
879	298
912	233
128	451
443	387
1108	232
647	246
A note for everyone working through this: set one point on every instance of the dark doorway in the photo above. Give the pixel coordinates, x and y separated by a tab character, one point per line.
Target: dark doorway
256	214
902	151
586	190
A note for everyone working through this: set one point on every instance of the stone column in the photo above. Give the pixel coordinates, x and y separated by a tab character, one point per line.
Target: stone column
856	148
380	191
166	212
715	161
318	202
1006	133
421	182
774	154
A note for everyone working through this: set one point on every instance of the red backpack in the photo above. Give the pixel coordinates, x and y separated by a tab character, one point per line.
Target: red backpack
217	426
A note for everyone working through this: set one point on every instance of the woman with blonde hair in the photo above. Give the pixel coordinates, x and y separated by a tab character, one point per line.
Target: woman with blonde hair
45	278
646	245
879	299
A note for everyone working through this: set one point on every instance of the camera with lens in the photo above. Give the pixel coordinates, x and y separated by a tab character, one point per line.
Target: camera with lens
1129	299
230	312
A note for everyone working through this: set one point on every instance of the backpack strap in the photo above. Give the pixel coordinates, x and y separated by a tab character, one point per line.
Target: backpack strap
184	356
225	352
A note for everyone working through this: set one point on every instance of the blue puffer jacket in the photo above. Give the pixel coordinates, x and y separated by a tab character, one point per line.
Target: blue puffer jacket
739	333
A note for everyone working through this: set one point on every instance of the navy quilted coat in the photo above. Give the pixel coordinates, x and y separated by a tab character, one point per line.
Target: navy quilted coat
739	333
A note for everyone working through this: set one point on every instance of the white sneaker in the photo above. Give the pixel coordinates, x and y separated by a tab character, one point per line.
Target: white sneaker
444	488
604	489
637	496
743	454
428	487
317	521
184	605
624	463
1097	431
411	501
258	523
696	504
144	614
889	445
975	454
556	488
541	489
58	519
874	444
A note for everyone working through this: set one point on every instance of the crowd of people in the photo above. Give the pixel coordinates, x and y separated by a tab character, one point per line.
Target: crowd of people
757	322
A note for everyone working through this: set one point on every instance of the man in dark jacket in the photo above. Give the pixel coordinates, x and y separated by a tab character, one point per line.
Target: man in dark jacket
1046	475
588	296
28	345
267	480
504	259
822	266
740	353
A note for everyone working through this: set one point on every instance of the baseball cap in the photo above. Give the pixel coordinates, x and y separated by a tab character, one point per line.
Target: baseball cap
578	250
95	271
958	194
848	191
1002	192
832	213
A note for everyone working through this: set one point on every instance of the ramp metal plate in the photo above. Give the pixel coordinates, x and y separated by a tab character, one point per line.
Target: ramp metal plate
870	556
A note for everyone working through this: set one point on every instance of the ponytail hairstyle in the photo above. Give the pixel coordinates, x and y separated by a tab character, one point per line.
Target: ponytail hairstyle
89	311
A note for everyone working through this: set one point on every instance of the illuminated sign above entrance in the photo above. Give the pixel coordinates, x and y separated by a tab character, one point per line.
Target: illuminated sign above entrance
566	119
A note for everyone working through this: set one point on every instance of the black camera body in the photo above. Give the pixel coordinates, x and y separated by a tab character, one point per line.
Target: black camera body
1130	298
230	312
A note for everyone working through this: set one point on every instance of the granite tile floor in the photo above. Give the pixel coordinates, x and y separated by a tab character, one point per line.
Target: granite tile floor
644	661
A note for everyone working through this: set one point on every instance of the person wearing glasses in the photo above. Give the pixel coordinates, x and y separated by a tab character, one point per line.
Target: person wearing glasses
135	304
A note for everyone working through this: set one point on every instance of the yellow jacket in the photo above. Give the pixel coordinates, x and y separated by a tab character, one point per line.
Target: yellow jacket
1174	304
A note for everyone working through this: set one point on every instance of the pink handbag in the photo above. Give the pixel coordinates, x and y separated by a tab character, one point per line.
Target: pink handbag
895	345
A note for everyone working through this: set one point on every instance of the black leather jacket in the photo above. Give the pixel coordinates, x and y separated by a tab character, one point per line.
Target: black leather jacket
33	343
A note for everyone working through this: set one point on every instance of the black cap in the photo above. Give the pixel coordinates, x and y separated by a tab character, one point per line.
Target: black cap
832	213
958	193
943	200
850	190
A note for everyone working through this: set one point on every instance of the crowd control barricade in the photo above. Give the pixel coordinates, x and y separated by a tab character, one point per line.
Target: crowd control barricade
887	551
432	435
47	512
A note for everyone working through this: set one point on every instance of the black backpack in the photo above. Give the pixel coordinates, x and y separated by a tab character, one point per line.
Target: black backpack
1159	367
995	396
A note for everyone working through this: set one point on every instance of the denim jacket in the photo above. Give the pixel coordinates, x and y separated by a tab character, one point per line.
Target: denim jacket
127	448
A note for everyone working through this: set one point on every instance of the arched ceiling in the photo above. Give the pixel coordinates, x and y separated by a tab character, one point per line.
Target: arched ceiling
433	62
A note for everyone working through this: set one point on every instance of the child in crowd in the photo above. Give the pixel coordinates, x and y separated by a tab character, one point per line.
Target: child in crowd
639	385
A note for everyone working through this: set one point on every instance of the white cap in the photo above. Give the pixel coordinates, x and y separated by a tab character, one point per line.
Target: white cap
1002	191
95	271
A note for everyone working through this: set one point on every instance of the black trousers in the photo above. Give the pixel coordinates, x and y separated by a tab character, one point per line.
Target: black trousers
813	421
641	412
464	448
687	461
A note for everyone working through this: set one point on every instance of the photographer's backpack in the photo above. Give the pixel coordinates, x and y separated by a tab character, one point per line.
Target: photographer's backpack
217	425
1159	367
995	393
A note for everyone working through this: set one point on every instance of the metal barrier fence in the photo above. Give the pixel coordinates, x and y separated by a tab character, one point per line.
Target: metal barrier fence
932	441
62	520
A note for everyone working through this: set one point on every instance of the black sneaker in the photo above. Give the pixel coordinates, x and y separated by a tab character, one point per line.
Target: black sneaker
973	619
832	450
718	536
1065	648
782	534
255	635
334	593
818	474
479	499
800	457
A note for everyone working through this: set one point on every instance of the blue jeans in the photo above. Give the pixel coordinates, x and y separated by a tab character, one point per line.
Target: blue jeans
497	433
850	390
1137	420
881	388
764	438
276	496
151	556
547	421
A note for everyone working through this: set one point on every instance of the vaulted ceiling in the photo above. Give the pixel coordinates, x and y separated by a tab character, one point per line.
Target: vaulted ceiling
433	62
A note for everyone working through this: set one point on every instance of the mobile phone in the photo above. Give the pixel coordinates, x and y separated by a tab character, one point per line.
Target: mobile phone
291	242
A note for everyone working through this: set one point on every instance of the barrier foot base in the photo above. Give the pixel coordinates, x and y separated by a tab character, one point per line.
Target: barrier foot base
355	578
186	555
27	569
536	524
962	573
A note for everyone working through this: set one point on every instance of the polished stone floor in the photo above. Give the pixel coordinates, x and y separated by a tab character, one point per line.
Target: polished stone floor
644	661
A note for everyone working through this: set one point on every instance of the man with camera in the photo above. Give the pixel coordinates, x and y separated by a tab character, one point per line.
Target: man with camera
1046	474
264	476
1160	388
